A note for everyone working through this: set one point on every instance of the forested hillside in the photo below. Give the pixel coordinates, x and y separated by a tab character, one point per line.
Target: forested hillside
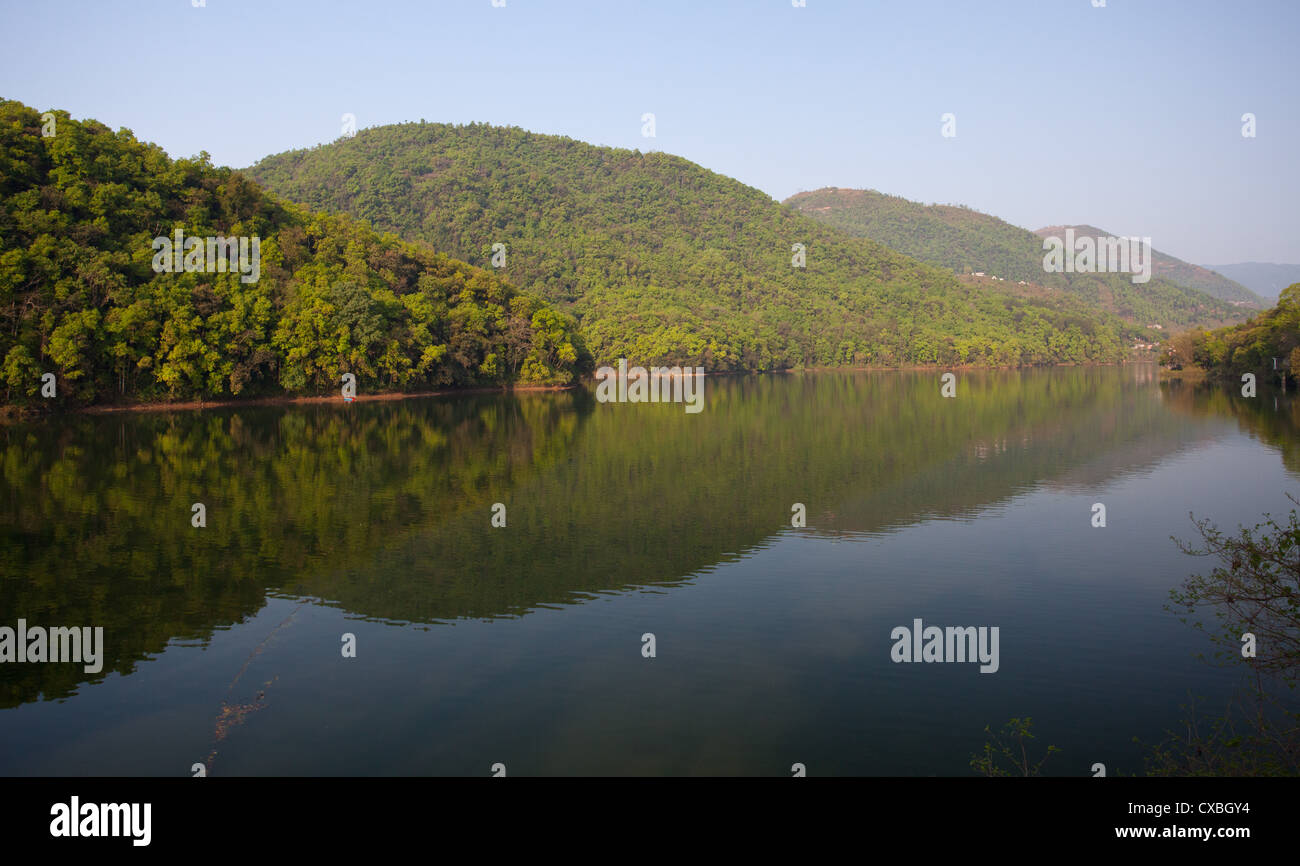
1250	347
662	260
80	295
962	239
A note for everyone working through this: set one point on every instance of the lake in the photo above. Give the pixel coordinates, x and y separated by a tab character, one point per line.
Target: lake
522	644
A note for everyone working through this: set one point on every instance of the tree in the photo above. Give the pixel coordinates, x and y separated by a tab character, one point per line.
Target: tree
1254	588
80	297
1010	756
1254	593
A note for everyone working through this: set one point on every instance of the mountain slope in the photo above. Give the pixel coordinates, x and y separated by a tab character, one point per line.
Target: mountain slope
665	261
1177	271
1263	278
83	213
960	239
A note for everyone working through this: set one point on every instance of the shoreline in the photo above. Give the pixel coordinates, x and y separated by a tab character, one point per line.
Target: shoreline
291	399
10	413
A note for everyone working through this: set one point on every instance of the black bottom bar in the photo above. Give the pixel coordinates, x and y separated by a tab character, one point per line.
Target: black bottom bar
331	815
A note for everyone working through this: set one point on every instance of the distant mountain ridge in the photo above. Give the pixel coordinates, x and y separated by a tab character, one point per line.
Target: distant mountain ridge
1265	279
1177	271
963	239
664	261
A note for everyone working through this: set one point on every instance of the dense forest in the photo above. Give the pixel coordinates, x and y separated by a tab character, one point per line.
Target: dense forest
1250	347
664	261
965	240
81	295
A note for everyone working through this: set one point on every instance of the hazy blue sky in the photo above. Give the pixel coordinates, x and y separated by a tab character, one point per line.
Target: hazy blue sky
1126	117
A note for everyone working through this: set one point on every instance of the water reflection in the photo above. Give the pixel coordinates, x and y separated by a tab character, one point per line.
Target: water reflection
383	509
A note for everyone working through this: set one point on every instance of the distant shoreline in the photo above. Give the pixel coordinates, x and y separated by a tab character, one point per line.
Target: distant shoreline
289	399
295	399
1186	374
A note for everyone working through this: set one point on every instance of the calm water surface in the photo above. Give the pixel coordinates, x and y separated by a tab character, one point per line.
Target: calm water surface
523	645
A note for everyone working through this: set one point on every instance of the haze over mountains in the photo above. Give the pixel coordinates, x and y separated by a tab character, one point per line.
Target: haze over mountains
1266	279
1178	294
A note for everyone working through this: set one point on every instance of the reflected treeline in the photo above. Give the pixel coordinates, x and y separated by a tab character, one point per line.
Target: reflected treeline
95	526
1272	416
383	509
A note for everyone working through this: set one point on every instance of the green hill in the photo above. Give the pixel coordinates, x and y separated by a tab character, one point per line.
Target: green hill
662	260
962	239
81	295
